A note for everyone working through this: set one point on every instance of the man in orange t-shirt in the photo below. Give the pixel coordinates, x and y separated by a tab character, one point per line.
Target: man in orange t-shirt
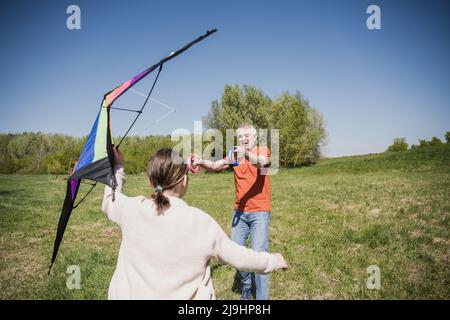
252	207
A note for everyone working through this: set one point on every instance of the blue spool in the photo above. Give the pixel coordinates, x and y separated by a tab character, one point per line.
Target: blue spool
230	158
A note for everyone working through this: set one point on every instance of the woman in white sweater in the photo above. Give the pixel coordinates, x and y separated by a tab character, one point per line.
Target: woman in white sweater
166	244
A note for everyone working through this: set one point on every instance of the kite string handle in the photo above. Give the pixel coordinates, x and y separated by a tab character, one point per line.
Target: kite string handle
193	169
230	158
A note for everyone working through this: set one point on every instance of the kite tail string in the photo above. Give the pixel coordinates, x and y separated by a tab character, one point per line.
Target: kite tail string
143	106
92	187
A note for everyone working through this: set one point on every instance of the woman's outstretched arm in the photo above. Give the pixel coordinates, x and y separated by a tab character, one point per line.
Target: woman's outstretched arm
245	259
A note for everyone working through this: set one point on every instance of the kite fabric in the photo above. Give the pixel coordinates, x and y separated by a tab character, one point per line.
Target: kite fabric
96	162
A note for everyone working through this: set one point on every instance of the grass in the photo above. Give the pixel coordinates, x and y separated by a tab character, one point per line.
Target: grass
331	221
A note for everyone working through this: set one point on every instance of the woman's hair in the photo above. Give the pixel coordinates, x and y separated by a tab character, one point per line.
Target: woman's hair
165	169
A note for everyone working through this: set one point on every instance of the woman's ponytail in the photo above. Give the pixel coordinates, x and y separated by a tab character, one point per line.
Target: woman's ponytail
165	170
161	201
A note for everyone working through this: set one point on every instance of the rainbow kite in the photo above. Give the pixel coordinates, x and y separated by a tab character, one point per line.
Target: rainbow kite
96	162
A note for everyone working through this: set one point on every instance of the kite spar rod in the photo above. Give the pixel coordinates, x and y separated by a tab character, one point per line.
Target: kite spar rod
160	65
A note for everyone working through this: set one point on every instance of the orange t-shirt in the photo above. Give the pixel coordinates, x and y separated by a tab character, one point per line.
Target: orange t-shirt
252	187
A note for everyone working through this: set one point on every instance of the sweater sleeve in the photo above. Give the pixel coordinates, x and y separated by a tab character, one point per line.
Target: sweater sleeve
114	209
240	257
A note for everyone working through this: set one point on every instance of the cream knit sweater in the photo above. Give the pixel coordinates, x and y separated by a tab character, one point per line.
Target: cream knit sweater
167	256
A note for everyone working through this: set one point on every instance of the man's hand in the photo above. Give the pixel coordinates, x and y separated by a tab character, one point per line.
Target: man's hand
118	158
241	152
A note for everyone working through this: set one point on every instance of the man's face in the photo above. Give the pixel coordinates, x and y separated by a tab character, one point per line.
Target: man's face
246	138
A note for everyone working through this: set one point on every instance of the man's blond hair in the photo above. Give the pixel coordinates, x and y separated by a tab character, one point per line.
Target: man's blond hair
247	126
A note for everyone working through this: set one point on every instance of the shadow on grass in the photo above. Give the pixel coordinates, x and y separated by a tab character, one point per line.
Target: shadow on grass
10	192
236	286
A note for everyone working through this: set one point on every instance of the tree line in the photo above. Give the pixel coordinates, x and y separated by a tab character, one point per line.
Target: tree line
37	153
400	144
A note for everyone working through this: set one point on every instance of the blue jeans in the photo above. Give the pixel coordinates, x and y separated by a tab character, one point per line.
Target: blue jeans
257	225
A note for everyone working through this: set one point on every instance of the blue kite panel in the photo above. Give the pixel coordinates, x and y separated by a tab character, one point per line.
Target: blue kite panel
88	152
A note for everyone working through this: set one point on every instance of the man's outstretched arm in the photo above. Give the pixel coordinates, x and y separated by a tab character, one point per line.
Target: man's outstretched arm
215	166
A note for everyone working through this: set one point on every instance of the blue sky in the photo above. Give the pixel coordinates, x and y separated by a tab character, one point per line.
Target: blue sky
370	85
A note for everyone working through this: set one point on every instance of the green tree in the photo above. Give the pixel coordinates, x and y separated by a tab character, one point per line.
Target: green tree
399	144
423	143
301	130
447	137
435	141
238	105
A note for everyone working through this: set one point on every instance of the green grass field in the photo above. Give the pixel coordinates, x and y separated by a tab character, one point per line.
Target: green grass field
331	221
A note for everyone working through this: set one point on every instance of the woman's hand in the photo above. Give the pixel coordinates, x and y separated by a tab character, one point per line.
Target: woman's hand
280	261
118	158
197	161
